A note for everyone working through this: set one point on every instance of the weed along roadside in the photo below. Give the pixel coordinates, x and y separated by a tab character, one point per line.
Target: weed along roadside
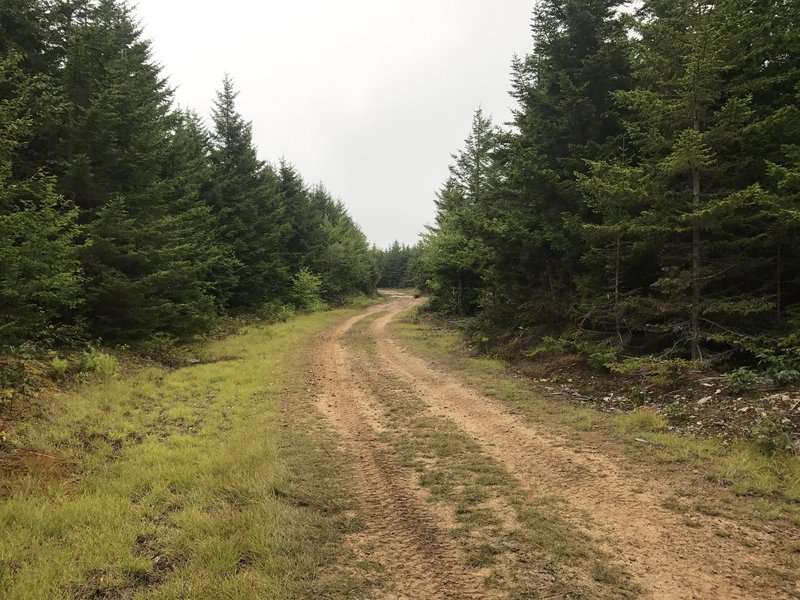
210	481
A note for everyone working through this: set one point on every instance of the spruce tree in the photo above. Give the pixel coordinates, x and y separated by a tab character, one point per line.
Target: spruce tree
115	164
687	124
189	209
247	203
566	115
346	265
40	278
304	212
619	259
456	256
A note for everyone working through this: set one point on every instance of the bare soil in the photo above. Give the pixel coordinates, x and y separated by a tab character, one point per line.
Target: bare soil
401	532
613	501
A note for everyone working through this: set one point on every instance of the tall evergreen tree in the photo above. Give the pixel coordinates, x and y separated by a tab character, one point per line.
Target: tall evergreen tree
346	265
248	205
114	160
304	212
762	38
40	275
456	258
176	225
566	115
620	255
687	125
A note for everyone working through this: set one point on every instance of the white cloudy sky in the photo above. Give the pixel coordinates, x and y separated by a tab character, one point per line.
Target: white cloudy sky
369	97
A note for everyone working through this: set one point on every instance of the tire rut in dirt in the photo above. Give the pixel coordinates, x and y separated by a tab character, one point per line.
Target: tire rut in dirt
400	532
493	518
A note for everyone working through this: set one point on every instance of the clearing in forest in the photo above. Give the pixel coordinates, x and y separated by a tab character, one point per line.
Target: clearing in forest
358	454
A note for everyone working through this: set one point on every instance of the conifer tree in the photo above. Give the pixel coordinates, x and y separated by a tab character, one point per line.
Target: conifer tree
392	264
652	171
763	39
346	265
115	159
686	121
614	287
40	276
785	235
566	115
456	258
248	205
304	213
172	225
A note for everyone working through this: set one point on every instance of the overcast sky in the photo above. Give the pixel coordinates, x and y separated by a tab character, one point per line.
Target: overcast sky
369	97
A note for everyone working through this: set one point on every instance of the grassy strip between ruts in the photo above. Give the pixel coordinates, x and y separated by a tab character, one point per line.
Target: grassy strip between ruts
520	540
741	467
180	484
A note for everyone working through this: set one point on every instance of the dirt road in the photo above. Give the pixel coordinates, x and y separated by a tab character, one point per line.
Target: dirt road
543	517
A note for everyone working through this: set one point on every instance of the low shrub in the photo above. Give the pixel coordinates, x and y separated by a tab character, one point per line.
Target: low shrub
59	366
677	414
98	362
307	291
275	311
659	370
165	349
14	380
742	380
638	397
597	356
783	369
769	437
14	376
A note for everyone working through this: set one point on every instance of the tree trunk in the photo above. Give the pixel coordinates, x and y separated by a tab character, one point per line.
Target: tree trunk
696	289
779	291
616	290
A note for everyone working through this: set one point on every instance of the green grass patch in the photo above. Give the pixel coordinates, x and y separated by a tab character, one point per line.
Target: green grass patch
487	365
175	484
673	448
482	555
641	421
749	472
357	336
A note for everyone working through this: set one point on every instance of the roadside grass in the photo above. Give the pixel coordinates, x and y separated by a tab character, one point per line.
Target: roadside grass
524	542
740	467
177	484
748	471
642	420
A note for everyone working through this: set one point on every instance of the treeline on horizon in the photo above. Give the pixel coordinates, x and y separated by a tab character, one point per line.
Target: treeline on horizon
397	265
122	217
645	197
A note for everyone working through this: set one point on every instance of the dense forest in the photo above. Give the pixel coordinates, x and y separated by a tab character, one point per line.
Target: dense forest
645	197
397	265
122	217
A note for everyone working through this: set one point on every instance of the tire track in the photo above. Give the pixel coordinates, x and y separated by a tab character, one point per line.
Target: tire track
401	532
498	517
